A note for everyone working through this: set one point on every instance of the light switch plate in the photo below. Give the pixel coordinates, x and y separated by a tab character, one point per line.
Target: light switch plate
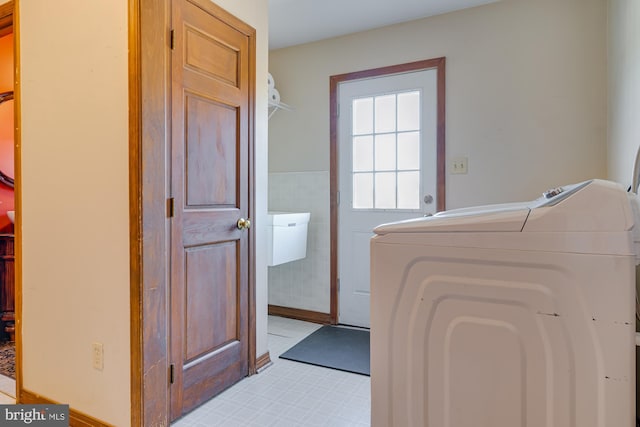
458	165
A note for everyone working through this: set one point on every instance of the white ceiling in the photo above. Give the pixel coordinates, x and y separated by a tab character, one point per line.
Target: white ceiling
293	22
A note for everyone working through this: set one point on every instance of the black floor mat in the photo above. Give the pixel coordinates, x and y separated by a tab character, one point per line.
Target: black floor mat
335	347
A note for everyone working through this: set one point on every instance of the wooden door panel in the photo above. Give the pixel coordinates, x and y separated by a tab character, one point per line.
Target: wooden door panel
204	36
200	228
213	375
212	299
210	185
220	60
211	144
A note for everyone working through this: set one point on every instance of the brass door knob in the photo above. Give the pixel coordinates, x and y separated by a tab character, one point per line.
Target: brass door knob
243	224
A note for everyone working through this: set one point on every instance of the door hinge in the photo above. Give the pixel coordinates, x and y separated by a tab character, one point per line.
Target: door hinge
338	284
171	373
338	198
170	207
172	39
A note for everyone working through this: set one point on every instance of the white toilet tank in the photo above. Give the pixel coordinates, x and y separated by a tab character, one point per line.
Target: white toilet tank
287	236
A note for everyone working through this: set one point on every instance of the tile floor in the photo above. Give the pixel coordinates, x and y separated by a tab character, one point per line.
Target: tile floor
288	393
7	386
6	399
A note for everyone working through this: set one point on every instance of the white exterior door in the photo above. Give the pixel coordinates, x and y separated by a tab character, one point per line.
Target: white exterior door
387	138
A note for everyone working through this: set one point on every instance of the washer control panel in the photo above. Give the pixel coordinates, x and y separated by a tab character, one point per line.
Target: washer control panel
552	192
558	194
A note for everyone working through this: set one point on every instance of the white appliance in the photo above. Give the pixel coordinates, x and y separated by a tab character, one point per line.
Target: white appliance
507	315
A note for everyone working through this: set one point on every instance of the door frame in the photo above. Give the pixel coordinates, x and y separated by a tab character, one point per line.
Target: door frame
149	144
9	22
334	82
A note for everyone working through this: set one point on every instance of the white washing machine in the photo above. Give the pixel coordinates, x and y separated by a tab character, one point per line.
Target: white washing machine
507	315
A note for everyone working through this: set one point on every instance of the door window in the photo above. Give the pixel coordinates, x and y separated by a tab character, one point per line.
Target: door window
386	156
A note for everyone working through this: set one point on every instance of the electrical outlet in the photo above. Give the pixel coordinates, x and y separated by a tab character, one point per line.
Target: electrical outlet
459	165
97	356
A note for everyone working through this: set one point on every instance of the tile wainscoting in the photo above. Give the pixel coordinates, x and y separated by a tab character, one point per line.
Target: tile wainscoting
303	284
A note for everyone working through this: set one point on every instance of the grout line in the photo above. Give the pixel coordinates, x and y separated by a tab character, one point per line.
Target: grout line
278	335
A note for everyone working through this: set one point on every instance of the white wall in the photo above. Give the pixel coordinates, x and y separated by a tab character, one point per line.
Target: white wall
525	95
624	102
624	88
75	206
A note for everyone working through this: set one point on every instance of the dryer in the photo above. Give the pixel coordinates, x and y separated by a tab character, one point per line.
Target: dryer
507	315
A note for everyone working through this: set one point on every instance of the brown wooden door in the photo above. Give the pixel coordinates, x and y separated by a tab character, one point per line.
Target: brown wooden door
210	186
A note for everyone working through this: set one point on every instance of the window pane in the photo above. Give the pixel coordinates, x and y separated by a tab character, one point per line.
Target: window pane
363	191
363	153
409	111
386	190
408	190
362	116
385	113
409	150
385	152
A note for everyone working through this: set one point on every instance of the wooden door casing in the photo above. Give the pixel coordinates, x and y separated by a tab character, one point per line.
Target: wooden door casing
210	185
